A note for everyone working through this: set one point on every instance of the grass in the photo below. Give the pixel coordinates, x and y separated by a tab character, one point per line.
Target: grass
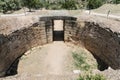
92	77
80	62
84	62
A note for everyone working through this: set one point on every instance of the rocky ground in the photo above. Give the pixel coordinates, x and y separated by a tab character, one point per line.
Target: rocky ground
112	74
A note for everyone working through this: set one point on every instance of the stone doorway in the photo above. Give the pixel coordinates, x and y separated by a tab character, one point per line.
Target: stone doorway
58	30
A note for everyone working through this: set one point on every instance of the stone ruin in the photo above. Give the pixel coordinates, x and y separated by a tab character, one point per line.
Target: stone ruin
102	42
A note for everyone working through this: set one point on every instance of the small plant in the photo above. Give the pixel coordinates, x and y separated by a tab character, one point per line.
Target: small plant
92	77
80	61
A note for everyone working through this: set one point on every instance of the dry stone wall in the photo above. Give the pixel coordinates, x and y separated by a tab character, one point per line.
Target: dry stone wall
70	29
103	43
14	45
49	31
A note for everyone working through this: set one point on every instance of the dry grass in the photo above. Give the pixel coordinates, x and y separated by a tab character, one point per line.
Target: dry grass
11	24
115	9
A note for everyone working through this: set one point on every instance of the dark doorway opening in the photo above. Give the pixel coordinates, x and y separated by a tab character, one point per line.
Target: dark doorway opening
101	64
58	35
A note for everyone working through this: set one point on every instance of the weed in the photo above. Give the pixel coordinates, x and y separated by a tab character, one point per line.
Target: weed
80	61
91	77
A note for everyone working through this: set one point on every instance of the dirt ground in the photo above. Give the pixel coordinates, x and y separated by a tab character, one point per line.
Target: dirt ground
52	59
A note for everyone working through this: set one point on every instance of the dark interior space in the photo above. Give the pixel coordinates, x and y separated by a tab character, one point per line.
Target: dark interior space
13	69
58	35
101	64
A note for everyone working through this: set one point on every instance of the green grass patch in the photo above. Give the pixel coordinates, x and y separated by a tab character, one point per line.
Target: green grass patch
84	61
80	61
92	77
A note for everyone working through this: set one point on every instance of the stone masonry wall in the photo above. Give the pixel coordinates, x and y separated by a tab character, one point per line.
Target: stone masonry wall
70	29
17	43
103	43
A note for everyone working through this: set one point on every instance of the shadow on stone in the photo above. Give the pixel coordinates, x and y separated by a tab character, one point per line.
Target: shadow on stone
101	64
12	70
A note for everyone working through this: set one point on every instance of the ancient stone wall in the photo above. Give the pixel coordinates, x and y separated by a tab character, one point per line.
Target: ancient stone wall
14	45
49	30
103	43
70	29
